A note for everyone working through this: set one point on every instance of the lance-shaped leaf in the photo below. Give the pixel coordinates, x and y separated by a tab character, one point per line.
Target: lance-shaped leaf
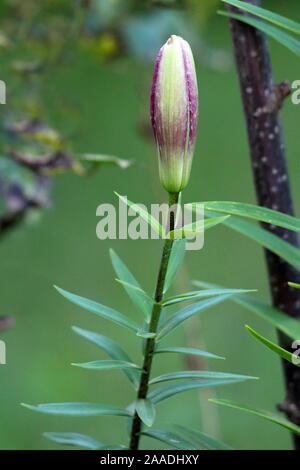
283	38
131	285
175	320
101	310
202	440
167	391
198	374
112	349
191	351
274	347
294	284
146	411
73	439
281	321
171	438
251	211
266	239
202	294
106	365
145	215
274	418
195	228
78	409
175	261
268	15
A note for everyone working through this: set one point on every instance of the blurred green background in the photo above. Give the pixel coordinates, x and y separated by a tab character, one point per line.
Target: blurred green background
61	248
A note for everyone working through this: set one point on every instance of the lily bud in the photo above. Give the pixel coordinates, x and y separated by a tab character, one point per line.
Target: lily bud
174	112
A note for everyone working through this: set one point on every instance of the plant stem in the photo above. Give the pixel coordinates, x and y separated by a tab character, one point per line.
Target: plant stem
155	316
262	101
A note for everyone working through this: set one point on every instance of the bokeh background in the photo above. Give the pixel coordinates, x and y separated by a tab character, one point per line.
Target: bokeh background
95	94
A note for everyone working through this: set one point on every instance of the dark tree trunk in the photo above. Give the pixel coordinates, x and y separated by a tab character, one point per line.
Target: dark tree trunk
262	100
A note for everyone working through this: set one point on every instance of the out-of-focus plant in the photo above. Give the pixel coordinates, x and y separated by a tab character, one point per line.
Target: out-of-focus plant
268	22
35	37
174	113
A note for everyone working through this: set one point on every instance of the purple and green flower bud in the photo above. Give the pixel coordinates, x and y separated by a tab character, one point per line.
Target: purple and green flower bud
174	112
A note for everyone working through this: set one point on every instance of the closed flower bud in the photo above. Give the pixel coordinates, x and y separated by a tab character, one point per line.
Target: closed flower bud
174	112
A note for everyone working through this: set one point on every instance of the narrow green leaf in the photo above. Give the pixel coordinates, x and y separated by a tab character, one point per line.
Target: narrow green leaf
101	310
176	259
202	440
73	439
169	437
274	418
201	294
146	411
267	15
157	227
78	409
138	296
294	284
106	365
100	159
285	39
192	351
198	374
191	230
112	349
254	212
274	347
167	391
112	447
290	326
281	321
175	320
266	239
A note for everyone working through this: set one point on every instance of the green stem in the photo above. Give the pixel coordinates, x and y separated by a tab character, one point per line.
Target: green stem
154	320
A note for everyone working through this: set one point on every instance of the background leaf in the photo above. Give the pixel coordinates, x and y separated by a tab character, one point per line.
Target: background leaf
285	39
279	320
266	239
274	347
268	15
99	159
277	419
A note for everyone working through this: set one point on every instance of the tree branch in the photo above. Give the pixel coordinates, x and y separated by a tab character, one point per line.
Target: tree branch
262	100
